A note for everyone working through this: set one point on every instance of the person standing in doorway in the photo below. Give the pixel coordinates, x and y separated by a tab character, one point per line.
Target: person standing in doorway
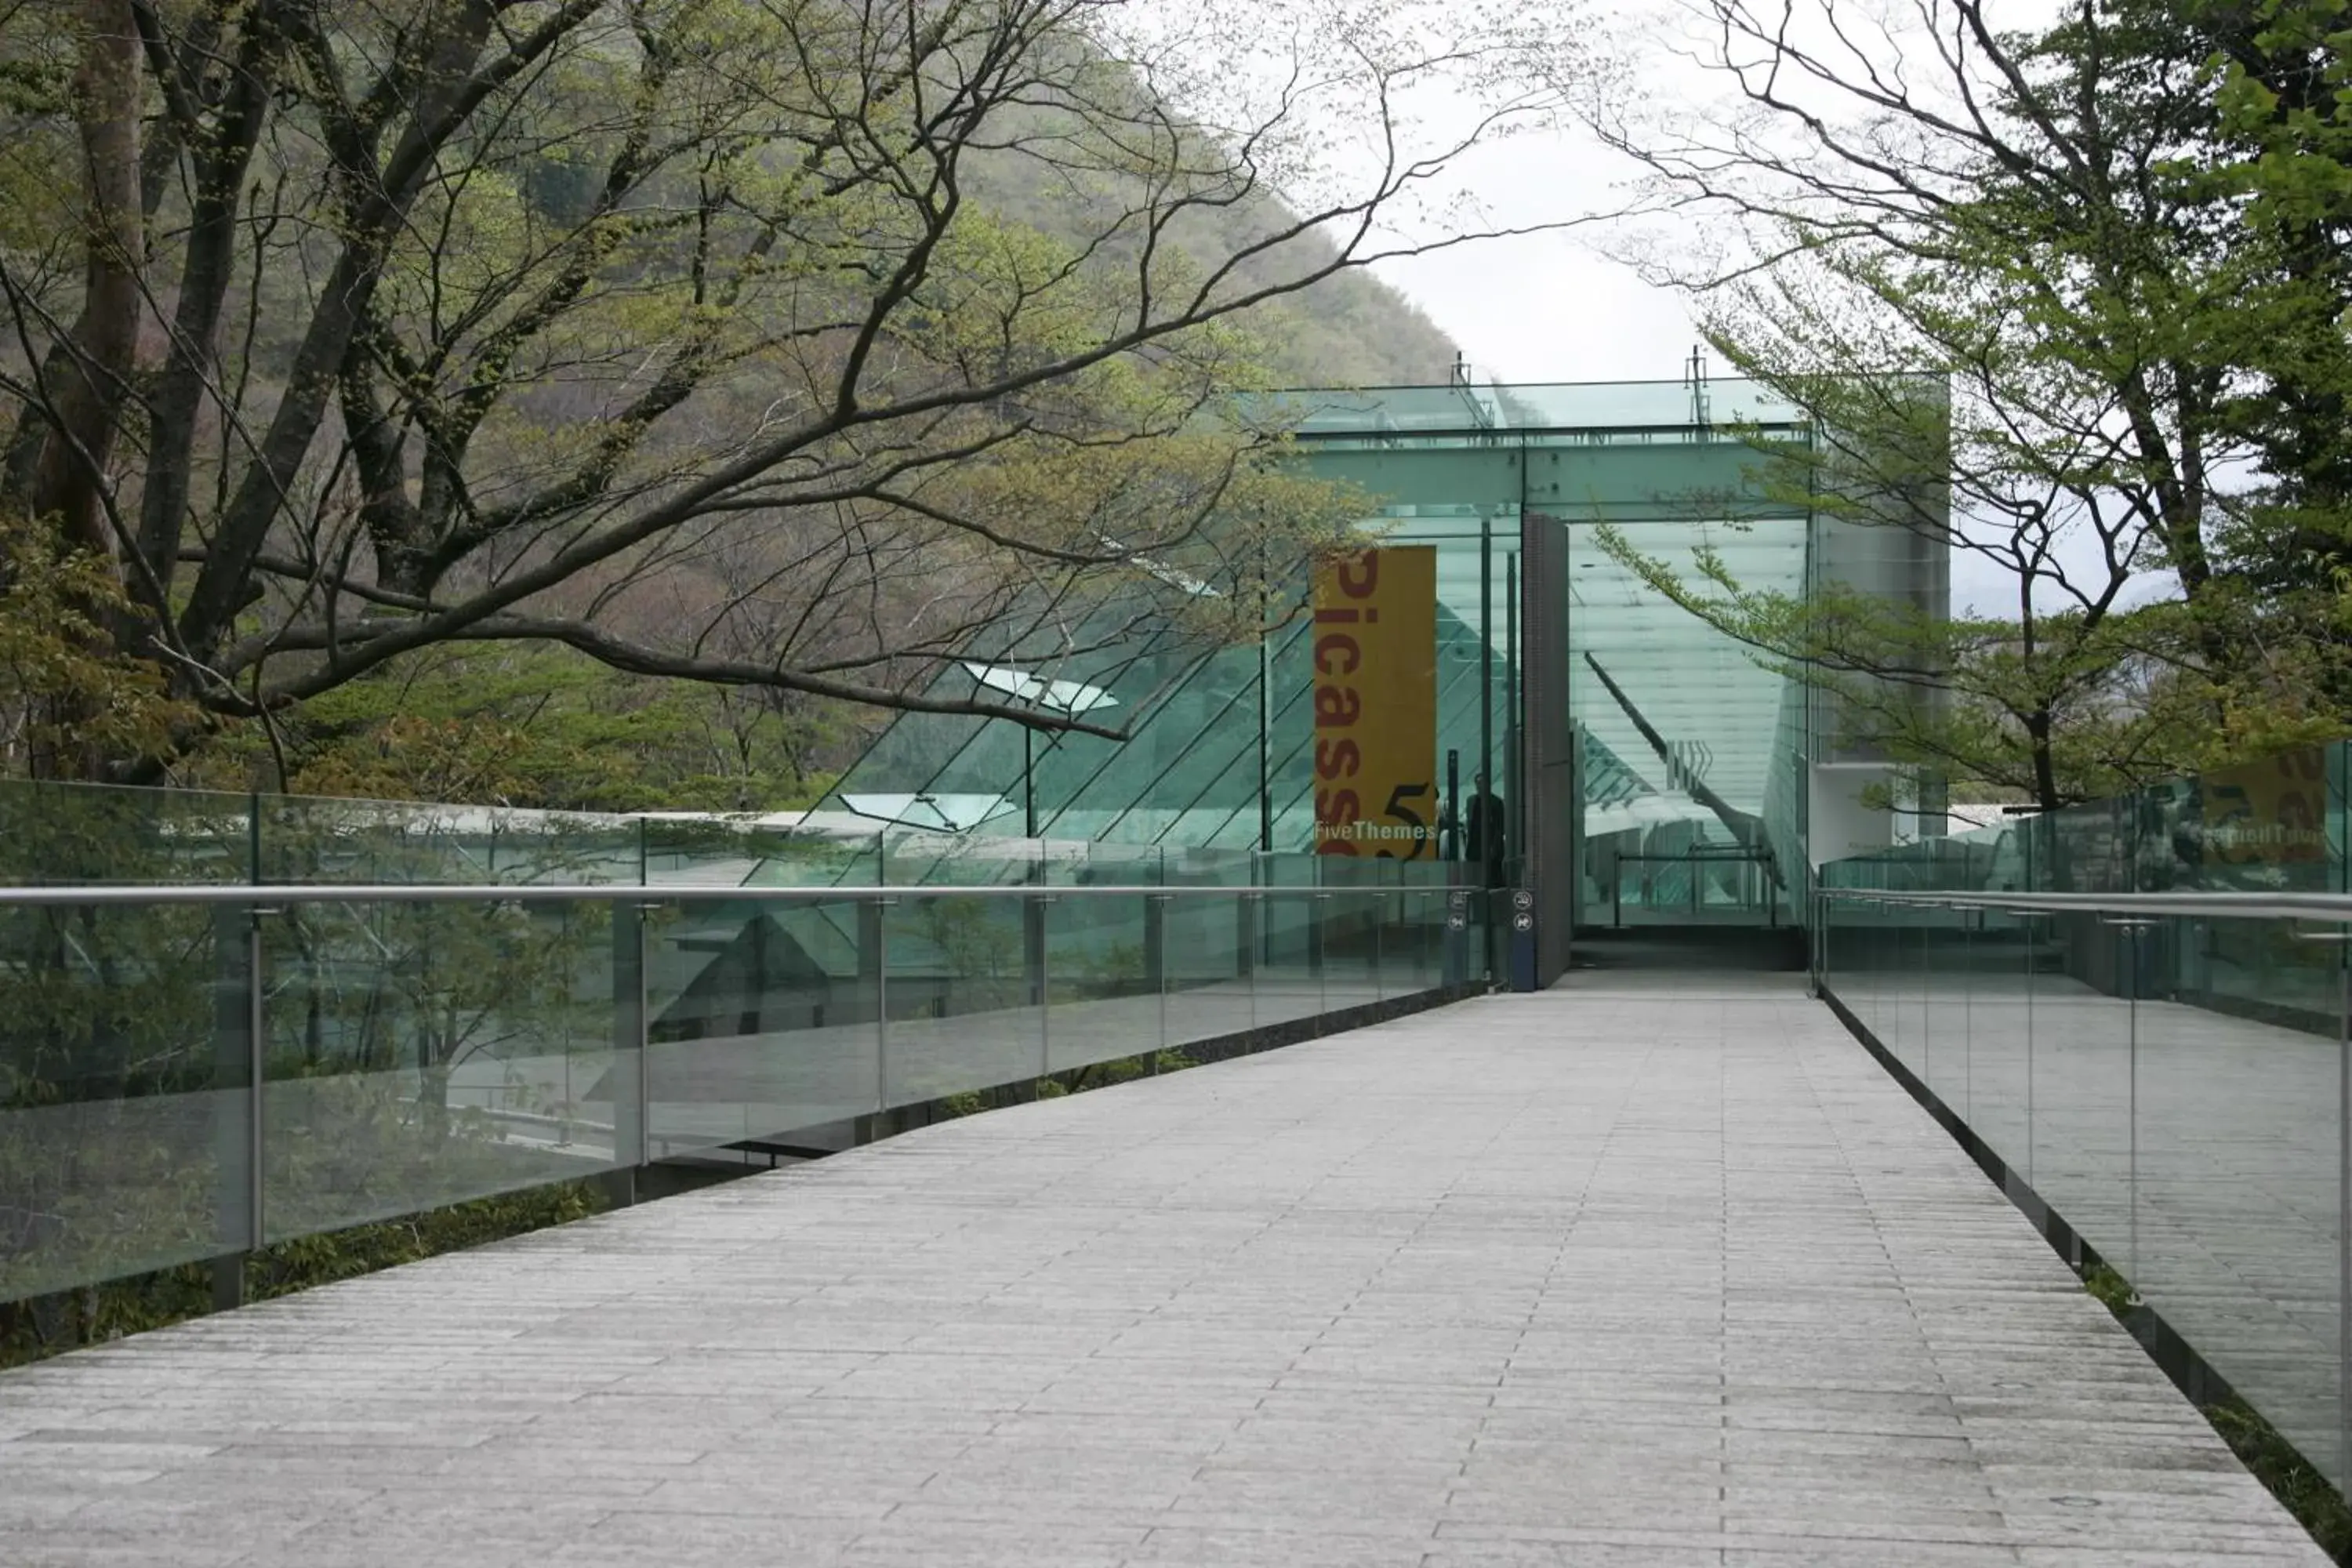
1483	840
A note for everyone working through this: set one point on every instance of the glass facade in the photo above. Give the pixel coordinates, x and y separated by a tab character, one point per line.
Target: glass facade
1693	763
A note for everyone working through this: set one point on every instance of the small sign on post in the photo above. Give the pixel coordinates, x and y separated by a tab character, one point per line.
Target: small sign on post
1523	939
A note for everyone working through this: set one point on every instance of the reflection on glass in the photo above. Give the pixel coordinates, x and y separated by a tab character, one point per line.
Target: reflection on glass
124	1100
301	840
760	1019
1105	1002
1685	818
965	989
1211	943
2239	1172
2000	1035
2171	1085
420	1054
1288	979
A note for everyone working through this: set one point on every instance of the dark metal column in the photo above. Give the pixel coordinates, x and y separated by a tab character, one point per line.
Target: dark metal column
1548	772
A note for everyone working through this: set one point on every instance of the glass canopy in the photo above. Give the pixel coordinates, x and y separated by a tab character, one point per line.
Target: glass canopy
1693	760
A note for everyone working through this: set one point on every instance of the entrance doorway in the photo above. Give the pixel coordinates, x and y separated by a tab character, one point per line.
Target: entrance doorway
1663	761
1705	885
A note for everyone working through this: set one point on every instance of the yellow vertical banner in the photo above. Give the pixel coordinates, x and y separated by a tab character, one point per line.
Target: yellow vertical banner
2270	812
1375	641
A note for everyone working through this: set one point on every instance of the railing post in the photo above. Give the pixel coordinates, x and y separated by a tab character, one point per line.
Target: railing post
1040	975
1927	1003
2129	930
873	958
2028	925
1819	942
1155	969
2343	1205
1245	926
1245	920
1454	955
1971	922
257	1036
236	1002
1317	916
632	1044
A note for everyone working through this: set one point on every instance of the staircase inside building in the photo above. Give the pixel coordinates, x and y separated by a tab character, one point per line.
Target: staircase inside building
1689	947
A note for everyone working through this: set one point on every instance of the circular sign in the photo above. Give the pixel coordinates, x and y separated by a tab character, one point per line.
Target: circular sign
1523	922
1523	899
1457	922
1459	898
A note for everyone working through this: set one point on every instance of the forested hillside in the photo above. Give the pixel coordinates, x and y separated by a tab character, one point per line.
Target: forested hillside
615	401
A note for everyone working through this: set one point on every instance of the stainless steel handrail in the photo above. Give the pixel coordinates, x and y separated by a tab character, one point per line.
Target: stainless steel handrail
250	893
2335	908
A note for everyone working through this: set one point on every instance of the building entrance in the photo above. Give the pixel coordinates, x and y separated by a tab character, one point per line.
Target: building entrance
1642	771
1705	885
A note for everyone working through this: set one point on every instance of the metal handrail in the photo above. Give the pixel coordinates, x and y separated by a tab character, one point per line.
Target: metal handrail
632	893
2335	908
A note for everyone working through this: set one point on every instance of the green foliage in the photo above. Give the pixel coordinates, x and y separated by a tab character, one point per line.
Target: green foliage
66	689
2078	712
786	349
545	728
2297	1484
2090	338
43	1326
1075	1080
2111	1289
1125	1069
2317	1505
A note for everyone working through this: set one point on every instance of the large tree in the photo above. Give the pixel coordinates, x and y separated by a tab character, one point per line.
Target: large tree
2057	230
706	338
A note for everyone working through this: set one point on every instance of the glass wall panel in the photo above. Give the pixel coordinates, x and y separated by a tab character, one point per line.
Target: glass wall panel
965	994
125	1103
2239	1181
2000	1024
919	859
1898	993
2173	1086
1682	735
300	839
421	1054
1287	974
1100	984
761	1019
1351	913
2082	1028
1211	945
750	851
61	834
1947	996
1412	952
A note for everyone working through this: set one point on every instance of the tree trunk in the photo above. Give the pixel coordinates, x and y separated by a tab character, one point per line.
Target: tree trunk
220	161
65	438
2056	876
89	374
432	1089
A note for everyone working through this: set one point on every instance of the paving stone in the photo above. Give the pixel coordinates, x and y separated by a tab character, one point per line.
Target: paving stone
1622	1276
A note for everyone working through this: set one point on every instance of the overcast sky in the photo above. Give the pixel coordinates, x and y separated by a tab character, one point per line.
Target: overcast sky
1554	306
1546	307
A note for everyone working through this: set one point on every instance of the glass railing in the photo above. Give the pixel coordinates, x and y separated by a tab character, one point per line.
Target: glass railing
422	1009
2139	1008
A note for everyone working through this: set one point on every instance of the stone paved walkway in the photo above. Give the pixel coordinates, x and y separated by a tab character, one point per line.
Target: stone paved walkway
1656	1275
